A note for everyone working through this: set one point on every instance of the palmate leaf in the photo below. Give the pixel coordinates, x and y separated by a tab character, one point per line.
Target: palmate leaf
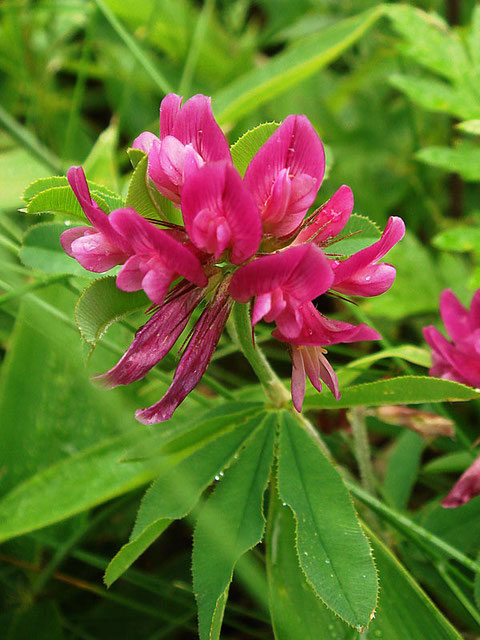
333	552
401	390
178	488
404	611
101	304
230	523
288	69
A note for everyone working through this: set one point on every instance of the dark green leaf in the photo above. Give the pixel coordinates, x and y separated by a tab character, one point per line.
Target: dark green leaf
403	468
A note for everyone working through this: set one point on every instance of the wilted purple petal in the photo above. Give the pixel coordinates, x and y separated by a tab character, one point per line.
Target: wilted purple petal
194	360
466	488
310	360
155	339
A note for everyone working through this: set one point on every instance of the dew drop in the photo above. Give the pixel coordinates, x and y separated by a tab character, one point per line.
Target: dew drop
327	561
217	478
284	504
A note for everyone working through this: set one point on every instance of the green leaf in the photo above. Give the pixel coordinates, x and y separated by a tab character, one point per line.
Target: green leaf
42	250
101	164
110	198
43	184
249	143
464	159
403	468
138	196
476	591
73	485
286	70
333	552
463	239
470	126
362	231
18	167
459	527
101	304
401	390
429	41
176	491
456	462
230	523
61	201
41	621
297	613
135	156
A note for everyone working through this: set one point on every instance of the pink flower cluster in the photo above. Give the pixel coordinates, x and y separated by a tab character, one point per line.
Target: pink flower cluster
243	240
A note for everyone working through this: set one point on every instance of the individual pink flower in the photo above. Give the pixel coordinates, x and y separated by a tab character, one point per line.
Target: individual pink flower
466	487
458	360
219	213
329	220
189	137
361	274
285	175
281	283
99	248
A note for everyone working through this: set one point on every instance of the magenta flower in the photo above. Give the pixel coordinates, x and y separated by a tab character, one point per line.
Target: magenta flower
189	137
221	255
458	360
466	487
285	175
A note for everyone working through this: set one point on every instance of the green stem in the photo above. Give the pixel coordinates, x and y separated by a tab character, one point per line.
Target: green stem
275	391
356	418
472	610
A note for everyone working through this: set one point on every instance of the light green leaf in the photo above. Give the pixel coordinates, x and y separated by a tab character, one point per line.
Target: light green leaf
362	231
401	390
61	201
247	145
470	126
135	156
403	468
43	184
18	167
429	41
297	613
408	352
286	70
101	304
42	250
107	196
333	552
464	159
138	196
101	164
73	485
230	524
463	239
176	491
456	462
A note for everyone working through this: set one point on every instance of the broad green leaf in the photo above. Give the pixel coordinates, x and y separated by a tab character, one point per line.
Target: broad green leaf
101	304
404	610
18	167
247	145
286	70
101	164
110	198
297	613
362	231
403	468
230	523
333	552
456	462
80	482
435	95
464	159
42	250
176	491
460	526
61	201
461	239
470	126
135	156
401	390
138	196
408	352
429	41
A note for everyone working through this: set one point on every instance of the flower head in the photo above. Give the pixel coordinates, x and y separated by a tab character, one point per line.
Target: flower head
247	240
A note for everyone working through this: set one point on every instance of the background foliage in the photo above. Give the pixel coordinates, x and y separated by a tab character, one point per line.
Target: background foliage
394	92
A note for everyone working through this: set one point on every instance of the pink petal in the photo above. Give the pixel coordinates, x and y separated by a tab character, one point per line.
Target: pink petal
157	281
450	362
147	240
295	147
155	339
331	218
219	212
298	378
303	271
194	360
145	141
475	311
169	109
455	317
466	488
359	274
70	235
194	124
93	251
158	176
130	276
